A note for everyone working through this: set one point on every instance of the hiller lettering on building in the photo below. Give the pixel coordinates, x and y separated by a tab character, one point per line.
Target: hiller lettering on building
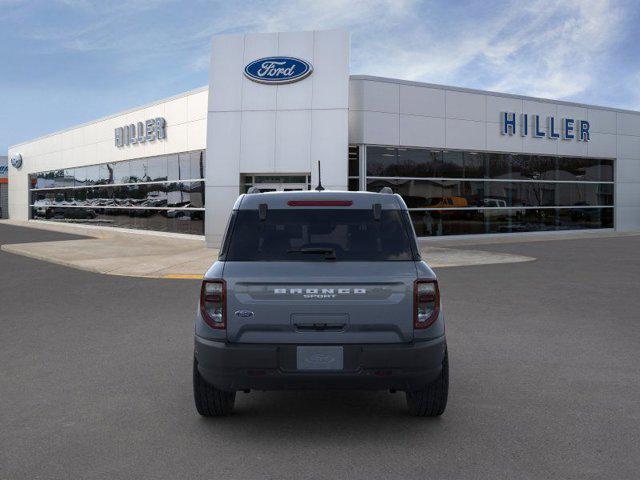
525	124
147	131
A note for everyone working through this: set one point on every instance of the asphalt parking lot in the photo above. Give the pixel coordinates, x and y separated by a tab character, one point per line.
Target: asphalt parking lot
545	380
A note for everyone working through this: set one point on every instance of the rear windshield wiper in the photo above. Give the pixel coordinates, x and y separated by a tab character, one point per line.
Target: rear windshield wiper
329	253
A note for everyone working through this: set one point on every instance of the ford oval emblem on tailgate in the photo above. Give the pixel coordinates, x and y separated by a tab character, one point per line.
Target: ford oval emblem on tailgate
244	313
277	70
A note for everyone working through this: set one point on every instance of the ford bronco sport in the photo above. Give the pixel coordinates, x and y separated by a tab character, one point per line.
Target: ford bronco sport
315	290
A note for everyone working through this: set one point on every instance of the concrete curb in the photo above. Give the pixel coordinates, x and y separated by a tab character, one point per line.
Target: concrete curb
16	250
97	231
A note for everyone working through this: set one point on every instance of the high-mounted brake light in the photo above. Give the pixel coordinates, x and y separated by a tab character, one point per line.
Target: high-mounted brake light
426	303
319	203
213	299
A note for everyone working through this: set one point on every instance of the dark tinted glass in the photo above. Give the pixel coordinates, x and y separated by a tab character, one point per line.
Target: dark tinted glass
452	165
403	162
382	161
103	196
92	175
178	194
315	234
120	172
579	194
416	193
184	165
80	197
196	165
157	169
534	167
585	169
45	180
173	167
420	162
463	193
509	220
498	165
69	177
416	162
58	178
475	165
156	195
606	170
129	195
180	222
105	173
354	161
138	171
584	218
80	176
156	206
196	194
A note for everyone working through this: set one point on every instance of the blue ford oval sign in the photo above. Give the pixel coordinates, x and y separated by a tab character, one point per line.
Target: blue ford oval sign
16	160
278	70
244	313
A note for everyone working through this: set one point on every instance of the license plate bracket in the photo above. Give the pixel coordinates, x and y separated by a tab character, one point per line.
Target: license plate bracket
319	358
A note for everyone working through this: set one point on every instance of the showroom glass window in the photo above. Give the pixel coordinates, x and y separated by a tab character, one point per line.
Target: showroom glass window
164	193
453	192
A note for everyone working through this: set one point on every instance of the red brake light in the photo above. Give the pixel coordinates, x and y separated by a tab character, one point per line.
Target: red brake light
319	203
426	303
213	303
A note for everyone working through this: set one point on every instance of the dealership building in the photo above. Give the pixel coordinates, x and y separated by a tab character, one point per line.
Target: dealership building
465	161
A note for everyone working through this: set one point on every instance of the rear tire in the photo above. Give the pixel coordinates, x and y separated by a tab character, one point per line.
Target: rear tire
432	401
210	401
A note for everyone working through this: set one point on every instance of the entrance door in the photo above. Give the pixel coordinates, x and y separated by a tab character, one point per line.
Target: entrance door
277	183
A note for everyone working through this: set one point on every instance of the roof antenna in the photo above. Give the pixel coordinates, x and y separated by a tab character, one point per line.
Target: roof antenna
319	188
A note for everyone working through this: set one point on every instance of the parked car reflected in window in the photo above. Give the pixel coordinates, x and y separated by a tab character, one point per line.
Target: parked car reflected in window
130	194
457	192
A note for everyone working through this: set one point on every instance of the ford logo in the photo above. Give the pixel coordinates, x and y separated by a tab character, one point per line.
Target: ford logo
244	313
278	70
16	160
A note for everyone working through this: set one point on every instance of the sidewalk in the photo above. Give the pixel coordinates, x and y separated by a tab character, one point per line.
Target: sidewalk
160	255
119	251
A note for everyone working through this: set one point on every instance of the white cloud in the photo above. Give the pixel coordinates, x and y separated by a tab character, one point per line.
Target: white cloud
545	49
540	48
565	40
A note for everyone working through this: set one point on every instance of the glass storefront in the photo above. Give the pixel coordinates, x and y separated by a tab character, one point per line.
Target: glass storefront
448	192
458	192
275	183
164	193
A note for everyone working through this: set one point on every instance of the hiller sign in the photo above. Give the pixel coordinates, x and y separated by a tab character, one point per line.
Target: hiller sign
525	124
147	131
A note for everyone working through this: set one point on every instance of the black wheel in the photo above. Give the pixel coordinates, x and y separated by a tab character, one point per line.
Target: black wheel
432	401
210	402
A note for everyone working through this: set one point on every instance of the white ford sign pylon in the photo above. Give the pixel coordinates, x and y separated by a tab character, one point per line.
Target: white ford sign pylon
282	126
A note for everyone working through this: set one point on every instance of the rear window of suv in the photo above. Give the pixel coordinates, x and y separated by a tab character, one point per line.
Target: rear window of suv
319	235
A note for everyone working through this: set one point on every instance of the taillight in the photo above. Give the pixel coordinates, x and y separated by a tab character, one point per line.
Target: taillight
213	299
426	303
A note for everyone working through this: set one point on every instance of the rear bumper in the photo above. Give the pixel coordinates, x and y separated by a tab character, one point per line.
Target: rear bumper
273	367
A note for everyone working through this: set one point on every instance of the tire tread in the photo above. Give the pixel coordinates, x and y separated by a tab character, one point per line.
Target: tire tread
432	401
210	401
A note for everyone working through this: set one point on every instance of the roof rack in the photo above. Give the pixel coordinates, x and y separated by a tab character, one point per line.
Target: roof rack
254	190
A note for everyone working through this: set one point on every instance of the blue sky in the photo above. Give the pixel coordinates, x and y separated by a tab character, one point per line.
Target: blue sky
65	62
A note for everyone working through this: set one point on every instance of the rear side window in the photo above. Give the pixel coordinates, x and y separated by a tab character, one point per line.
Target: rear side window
319	235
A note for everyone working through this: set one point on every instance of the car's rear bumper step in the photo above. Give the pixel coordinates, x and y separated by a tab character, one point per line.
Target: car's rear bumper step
273	367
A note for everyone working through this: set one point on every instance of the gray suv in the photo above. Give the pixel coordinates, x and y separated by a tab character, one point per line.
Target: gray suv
320	290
